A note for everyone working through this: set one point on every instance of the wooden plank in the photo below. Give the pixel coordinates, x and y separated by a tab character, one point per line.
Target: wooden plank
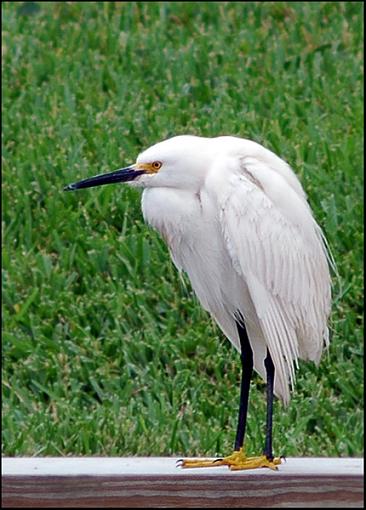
91	482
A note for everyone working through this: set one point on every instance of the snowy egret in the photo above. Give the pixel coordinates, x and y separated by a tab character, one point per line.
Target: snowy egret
236	220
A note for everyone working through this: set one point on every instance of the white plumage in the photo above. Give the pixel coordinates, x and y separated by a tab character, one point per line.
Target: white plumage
236	220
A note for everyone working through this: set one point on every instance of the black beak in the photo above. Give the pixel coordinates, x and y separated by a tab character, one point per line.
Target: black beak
123	175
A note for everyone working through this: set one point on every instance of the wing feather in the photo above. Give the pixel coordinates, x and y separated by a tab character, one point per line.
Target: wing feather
279	250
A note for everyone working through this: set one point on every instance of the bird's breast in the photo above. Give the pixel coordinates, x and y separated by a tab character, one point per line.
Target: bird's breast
188	222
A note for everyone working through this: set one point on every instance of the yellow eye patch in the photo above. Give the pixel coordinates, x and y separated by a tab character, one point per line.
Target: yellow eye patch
149	168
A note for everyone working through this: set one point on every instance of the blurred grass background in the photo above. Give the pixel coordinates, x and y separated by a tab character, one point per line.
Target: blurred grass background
105	349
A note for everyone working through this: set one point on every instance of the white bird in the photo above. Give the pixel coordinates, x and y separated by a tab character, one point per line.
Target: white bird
236	220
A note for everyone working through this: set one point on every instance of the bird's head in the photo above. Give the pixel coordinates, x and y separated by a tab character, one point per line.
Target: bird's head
179	162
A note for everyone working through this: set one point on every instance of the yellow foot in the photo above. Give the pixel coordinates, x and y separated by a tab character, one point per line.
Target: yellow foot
235	462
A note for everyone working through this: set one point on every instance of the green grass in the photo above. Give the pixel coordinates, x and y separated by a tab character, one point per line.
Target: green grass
105	349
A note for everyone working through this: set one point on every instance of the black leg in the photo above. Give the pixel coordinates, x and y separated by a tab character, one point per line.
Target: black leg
247	369
268	363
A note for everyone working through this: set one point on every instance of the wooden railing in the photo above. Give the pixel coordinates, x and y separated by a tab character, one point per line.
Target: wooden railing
136	482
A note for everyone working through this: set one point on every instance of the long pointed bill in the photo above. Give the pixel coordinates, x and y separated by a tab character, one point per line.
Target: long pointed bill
123	175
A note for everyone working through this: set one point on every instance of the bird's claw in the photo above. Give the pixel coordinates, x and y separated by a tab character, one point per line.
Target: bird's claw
235	462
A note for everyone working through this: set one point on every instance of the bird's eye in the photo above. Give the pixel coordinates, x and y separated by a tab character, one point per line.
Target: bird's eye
156	165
